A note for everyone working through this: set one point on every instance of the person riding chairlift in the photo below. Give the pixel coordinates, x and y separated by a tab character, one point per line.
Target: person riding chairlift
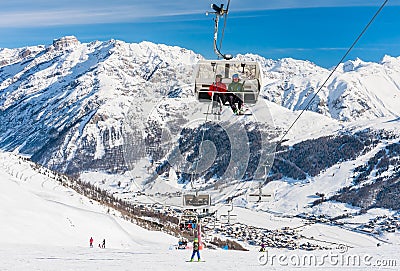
233	98
218	88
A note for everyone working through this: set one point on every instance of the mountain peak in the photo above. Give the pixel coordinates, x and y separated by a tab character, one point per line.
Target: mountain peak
65	43
390	59
352	65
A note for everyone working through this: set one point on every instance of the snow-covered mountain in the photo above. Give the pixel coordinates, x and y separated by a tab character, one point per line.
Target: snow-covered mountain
70	100
86	107
357	90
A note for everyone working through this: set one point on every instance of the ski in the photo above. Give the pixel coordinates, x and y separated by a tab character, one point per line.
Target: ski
206	113
245	112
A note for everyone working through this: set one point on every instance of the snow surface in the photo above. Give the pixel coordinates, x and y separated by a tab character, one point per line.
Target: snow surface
45	226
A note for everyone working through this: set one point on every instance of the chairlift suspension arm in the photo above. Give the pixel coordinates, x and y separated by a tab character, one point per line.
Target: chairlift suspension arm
223	29
219	11
217	52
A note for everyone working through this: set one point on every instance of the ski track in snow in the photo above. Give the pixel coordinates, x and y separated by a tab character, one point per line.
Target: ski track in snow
67	258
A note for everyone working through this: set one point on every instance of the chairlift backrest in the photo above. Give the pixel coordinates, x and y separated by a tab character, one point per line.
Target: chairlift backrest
249	74
196	200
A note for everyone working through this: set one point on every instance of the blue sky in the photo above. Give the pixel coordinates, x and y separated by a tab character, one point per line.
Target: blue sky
319	31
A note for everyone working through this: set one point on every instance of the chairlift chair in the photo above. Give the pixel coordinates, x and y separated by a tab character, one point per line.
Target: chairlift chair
248	71
188	220
228	218
261	196
255	198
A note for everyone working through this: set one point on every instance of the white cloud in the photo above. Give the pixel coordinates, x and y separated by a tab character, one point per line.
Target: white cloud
22	13
79	16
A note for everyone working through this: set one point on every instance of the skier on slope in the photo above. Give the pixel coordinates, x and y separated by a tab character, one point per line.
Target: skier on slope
91	242
195	250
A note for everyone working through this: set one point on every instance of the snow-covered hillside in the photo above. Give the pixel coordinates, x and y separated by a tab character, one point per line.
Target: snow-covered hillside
46	226
36	210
